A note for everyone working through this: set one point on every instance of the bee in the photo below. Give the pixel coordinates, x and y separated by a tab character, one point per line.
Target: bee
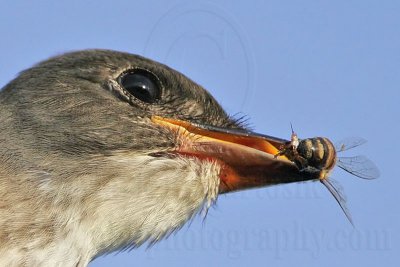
319	155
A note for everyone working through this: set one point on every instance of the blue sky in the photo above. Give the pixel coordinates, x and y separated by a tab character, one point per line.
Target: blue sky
331	68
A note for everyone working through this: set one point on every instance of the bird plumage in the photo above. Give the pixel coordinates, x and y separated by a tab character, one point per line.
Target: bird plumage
78	177
103	150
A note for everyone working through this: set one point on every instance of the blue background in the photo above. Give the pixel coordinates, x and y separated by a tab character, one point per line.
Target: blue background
332	68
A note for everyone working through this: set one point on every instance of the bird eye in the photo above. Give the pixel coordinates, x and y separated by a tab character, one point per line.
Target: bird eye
141	84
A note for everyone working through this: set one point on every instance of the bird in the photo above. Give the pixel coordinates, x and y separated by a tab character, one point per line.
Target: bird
104	150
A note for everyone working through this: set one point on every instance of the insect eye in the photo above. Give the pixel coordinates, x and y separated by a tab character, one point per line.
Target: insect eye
141	84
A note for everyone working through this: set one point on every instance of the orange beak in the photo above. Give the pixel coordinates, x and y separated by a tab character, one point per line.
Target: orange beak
247	159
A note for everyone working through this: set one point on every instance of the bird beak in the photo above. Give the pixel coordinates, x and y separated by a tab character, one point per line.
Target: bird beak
247	159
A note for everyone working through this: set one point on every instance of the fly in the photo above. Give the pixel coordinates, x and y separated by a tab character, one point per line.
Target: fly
319	155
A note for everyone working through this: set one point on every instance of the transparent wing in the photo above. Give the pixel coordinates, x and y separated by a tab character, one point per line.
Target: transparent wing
336	190
349	143
359	166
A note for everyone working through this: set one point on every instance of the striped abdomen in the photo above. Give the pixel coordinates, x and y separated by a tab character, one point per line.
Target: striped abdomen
319	152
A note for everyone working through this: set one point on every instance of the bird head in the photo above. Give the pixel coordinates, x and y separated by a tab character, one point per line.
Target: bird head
103	150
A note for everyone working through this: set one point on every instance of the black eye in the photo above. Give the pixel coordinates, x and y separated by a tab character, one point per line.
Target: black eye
141	84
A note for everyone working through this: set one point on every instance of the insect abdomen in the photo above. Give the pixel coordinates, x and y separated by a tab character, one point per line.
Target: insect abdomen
319	152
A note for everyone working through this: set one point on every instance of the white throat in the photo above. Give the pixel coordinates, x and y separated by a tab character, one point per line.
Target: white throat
141	199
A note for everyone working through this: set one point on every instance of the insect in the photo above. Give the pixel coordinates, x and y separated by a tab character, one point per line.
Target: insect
319	155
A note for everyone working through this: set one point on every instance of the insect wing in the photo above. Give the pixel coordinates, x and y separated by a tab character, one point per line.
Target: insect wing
359	166
336	190
349	143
